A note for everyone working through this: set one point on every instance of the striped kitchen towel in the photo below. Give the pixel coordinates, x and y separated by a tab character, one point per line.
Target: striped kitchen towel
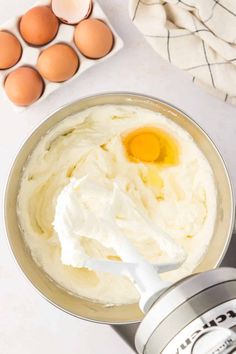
198	36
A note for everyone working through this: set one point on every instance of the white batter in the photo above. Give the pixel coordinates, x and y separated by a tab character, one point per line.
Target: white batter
180	200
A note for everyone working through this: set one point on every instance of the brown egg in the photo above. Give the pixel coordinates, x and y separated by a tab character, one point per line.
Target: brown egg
93	38
58	63
10	50
24	86
39	25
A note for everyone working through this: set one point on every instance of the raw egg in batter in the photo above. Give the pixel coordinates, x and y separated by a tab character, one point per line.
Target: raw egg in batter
152	145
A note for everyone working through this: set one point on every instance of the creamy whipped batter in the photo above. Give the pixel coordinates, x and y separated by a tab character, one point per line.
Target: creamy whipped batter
180	200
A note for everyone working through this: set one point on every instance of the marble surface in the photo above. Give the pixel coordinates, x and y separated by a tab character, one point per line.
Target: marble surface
28	324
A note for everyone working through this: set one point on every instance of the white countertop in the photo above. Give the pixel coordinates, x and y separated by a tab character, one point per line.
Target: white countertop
28	324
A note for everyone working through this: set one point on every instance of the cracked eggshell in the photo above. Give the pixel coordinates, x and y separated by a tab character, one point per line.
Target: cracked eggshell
72	11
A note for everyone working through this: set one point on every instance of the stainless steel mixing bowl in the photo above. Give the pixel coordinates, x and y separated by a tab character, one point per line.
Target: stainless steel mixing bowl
47	287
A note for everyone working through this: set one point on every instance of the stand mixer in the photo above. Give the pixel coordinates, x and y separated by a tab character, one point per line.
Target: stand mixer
197	315
193	316
179	310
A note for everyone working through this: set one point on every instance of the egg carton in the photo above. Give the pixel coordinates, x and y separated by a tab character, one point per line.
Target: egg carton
65	35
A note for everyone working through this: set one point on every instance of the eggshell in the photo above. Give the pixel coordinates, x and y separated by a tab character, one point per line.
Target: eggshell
71	11
93	38
39	25
58	63
24	86
10	50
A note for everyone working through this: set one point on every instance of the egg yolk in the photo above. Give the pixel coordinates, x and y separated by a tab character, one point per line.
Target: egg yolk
145	147
152	145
